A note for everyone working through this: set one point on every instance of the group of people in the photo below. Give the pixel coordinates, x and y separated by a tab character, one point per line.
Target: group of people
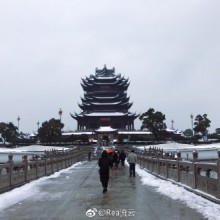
115	158
107	161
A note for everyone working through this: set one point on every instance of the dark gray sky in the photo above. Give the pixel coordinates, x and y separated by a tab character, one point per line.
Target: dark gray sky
170	51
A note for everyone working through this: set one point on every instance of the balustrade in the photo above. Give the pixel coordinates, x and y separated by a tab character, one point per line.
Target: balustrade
16	174
197	175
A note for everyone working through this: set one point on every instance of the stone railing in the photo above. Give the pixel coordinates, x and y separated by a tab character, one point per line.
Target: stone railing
202	176
16	174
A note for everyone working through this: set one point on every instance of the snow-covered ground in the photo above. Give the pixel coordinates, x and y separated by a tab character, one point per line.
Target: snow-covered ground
172	146
32	148
205	151
176	146
28	190
208	209
28	150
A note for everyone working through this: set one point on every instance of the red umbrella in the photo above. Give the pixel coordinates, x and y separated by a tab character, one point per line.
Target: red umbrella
109	150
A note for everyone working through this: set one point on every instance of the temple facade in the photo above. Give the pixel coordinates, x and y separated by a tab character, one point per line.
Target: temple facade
105	102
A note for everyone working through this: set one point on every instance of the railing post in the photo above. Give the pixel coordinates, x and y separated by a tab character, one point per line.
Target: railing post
151	164
195	159
138	160
178	155
10	162
25	166
167	169
64	157
52	164
178	165
141	161
218	171
148	163
37	168
158	165
195	156
72	158
82	155
45	168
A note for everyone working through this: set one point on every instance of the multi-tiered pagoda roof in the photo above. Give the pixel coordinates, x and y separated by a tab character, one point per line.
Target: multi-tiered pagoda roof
105	102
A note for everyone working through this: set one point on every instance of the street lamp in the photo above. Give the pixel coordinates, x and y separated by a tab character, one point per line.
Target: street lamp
172	124
18	119
60	114
191	116
38	123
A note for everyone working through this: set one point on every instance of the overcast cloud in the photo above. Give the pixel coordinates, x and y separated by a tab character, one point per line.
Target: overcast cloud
169	50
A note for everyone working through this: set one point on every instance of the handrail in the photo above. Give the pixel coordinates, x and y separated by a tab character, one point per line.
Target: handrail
197	175
16	174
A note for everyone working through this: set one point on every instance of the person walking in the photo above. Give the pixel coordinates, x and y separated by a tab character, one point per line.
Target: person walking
132	159
122	157
89	155
110	157
115	159
104	170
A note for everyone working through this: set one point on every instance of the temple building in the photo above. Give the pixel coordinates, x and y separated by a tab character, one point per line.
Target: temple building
105	102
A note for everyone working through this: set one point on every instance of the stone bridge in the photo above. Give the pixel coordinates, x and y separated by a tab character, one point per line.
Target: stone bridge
76	193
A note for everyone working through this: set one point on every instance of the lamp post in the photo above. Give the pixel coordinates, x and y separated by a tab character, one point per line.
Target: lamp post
60	114
191	116
38	139
18	119
38	123
172	124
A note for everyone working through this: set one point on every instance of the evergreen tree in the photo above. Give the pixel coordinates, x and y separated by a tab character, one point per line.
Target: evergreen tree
51	130
188	132
201	124
153	121
8	131
217	130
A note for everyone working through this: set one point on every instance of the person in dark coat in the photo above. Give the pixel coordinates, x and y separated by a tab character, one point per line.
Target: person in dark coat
115	159
89	155
122	157
110	156
104	170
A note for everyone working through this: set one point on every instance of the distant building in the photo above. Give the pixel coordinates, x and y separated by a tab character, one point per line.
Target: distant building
1	140
105	102
3	143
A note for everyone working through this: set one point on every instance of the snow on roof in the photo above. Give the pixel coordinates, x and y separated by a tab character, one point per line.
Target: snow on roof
134	132
178	132
174	131
33	135
110	97
106	129
105	114
170	130
104	77
106	83
77	133
112	103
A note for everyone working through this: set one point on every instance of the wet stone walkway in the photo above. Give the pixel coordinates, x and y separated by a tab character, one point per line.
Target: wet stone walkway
77	194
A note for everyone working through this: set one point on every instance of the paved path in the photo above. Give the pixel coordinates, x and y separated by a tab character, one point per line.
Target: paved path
73	193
